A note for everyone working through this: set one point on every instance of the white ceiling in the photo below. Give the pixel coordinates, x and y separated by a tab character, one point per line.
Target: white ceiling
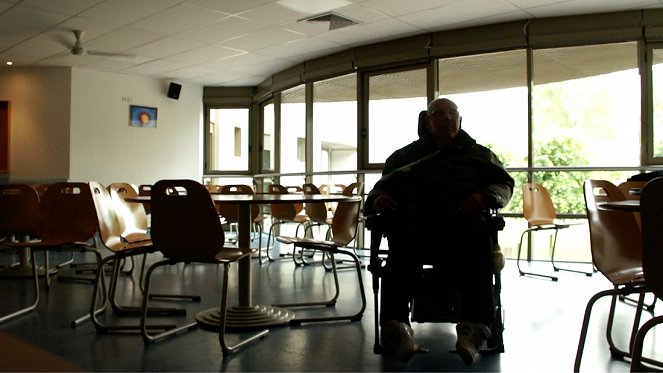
240	42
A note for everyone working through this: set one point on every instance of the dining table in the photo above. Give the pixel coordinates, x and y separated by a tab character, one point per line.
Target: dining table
247	314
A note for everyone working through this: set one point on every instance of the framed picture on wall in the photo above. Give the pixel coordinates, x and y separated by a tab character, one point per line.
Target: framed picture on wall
142	116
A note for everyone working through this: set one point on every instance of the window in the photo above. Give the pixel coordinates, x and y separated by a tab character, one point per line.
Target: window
394	101
293	127
268	137
491	93
656	145
585	112
228	140
335	128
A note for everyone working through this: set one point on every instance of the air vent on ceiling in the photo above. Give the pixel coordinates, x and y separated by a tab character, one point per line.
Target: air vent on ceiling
335	21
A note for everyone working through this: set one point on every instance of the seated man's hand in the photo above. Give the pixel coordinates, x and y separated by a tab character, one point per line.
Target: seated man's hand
383	203
474	202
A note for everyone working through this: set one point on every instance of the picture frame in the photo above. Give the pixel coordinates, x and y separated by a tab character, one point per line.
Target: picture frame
142	116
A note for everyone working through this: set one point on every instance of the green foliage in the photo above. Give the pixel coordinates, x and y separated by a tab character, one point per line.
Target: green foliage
565	187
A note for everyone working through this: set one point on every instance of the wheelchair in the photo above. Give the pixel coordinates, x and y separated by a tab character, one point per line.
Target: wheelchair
431	303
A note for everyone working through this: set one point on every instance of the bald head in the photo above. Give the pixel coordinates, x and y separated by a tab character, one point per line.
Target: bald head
443	120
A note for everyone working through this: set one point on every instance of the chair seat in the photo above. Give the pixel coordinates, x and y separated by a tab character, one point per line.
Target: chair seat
230	255
626	276
308	242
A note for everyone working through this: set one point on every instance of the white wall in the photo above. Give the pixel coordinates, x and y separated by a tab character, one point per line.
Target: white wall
73	124
39	123
106	149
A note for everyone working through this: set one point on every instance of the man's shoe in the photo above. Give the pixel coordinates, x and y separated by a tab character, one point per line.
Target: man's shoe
398	338
470	338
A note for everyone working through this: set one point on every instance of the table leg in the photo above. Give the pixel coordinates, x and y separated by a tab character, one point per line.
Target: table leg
245	315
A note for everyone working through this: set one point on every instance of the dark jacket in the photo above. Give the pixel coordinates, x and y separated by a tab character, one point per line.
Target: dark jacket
448	176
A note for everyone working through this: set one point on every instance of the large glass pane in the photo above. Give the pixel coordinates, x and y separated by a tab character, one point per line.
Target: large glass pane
491	93
228	144
269	137
586	106
395	100
335	128
293	131
657	95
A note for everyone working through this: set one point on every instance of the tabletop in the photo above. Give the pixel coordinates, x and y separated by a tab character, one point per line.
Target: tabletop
268	198
624	205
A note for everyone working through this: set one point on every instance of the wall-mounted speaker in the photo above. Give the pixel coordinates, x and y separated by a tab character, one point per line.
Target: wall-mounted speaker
174	90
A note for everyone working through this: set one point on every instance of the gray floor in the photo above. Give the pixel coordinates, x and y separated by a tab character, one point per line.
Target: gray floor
542	320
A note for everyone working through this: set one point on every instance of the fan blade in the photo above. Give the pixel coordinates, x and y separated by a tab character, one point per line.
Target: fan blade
110	54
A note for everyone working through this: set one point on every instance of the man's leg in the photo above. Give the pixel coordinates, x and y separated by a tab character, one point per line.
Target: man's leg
475	266
397	291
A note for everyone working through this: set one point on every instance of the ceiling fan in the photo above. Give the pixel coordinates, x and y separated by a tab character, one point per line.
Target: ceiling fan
78	49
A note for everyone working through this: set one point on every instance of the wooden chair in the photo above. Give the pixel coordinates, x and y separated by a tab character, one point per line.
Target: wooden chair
131	215
343	231
540	213
651	208
145	190
19	204
66	221
632	190
616	244
186	228
110	230
231	214
283	213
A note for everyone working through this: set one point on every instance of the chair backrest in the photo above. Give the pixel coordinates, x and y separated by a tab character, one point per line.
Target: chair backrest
131	215
616	241
146	190
110	228
67	214
18	210
213	188
332	188
354	189
537	205
344	223
316	211
185	224
229	211
632	189
284	211
651	207
421	123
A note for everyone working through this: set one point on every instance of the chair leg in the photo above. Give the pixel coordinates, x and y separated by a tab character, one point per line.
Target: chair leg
523	273
615	292
35	278
557	269
152	338
225	348
354	317
636	354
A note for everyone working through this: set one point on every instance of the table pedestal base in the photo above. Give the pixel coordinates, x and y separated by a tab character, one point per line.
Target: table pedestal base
242	318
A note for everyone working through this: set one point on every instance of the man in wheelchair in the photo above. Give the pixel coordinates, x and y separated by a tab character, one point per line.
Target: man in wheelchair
437	191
